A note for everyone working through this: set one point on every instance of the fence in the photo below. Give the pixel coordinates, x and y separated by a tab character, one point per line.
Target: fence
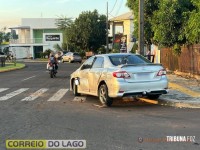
188	61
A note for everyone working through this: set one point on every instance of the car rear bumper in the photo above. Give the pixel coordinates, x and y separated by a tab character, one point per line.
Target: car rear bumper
146	93
123	89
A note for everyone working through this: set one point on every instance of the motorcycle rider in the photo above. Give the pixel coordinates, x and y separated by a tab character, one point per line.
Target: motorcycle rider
58	55
53	59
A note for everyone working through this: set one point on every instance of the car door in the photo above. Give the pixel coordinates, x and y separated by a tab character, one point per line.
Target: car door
95	74
84	75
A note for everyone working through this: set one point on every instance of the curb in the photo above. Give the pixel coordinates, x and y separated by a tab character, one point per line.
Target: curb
173	103
33	61
13	69
179	104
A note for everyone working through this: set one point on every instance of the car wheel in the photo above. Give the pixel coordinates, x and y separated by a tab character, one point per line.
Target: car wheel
156	96
103	95
75	89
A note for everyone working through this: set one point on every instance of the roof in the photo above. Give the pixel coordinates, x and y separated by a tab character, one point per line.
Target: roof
20	27
37	23
126	16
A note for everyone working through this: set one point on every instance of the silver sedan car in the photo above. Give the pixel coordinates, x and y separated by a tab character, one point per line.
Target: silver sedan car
119	75
71	57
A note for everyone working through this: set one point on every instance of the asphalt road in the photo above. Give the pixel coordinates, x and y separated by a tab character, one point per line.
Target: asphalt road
30	110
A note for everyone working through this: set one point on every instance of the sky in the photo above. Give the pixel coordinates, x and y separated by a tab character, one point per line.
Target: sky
12	11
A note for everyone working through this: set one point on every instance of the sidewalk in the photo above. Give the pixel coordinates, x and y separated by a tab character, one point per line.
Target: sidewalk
183	92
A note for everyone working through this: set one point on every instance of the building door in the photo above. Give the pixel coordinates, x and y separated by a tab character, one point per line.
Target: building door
37	51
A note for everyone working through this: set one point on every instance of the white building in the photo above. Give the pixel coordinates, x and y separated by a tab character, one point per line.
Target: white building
35	35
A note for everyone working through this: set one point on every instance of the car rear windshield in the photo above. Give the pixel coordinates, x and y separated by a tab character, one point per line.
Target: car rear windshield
128	59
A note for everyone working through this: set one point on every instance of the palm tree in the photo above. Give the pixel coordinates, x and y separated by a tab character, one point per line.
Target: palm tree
63	23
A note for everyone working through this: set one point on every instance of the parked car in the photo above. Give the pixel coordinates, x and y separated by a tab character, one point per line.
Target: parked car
119	75
71	57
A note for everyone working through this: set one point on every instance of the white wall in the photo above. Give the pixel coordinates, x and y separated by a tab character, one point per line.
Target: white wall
53	42
24	35
39	23
21	52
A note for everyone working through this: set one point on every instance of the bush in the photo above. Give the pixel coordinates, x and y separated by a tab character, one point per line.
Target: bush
177	49
47	52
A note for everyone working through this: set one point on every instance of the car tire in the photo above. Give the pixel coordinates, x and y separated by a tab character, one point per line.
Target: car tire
103	95
155	96
75	89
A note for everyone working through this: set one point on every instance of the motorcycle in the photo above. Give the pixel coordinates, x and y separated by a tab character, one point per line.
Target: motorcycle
52	70
59	59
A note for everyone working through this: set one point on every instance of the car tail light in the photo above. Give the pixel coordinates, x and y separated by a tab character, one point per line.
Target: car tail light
121	74
162	72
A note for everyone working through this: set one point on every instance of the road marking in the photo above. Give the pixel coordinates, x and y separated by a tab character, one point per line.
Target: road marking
28	78
184	90
12	94
3	89
58	95
35	95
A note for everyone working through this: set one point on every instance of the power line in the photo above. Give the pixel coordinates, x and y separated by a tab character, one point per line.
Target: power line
120	6
113	7
118	9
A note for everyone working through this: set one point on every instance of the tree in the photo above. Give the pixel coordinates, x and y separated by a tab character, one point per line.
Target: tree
192	27
169	21
88	32
2	34
7	36
63	23
166	21
1	37
149	8
57	47
4	37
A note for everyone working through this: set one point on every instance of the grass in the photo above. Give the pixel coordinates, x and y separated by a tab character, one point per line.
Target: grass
11	66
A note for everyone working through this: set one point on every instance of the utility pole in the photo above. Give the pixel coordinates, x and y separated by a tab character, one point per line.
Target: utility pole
141	27
107	29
